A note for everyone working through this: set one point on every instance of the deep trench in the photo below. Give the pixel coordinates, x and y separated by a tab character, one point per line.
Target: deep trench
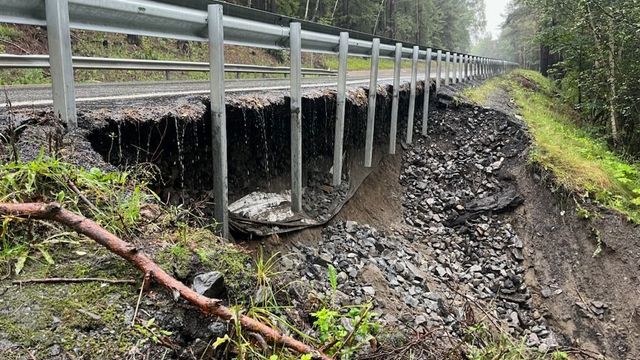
258	140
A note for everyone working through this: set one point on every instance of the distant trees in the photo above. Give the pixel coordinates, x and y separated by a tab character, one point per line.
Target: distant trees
446	24
592	48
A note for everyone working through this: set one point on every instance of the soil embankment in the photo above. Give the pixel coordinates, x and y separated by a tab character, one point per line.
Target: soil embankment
456	230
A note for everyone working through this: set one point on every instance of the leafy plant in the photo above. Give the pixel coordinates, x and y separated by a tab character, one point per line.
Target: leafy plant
344	330
151	331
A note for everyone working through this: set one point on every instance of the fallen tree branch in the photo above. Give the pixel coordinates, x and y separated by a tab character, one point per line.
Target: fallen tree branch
208	306
72	280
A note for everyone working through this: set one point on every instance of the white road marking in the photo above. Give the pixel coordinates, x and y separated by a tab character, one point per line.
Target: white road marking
184	93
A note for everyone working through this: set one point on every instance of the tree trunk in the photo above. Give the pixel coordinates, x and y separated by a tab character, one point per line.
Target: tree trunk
333	13
375	26
612	85
306	10
315	11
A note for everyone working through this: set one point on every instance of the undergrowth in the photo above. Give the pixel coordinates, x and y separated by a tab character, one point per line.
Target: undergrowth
579	162
484	344
115	200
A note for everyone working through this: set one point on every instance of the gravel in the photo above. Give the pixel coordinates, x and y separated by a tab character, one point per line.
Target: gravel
457	237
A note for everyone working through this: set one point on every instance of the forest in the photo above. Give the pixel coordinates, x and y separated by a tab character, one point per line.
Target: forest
590	48
443	24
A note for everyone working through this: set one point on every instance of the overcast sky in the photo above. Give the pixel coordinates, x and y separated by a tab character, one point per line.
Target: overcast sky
495	11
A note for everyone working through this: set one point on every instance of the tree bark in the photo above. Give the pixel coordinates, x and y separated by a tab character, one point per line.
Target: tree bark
208	306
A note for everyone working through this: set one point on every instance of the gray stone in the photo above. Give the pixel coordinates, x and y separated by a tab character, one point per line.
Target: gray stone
209	284
369	290
218	329
6	345
411	301
351	226
55	350
533	340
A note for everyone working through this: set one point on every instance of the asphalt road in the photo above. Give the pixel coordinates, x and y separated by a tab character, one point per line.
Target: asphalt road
114	95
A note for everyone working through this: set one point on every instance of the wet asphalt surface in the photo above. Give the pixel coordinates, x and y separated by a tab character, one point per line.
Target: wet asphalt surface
133	94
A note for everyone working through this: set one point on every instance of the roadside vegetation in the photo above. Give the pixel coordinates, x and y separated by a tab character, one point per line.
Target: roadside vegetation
182	243
24	40
579	160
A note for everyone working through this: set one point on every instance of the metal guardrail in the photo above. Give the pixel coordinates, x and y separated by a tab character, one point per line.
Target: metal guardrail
100	63
241	26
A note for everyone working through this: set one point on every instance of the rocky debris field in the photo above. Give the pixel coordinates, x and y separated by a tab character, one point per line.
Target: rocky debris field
456	259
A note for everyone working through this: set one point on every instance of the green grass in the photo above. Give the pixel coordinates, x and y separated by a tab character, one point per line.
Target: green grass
579	162
113	199
484	344
358	63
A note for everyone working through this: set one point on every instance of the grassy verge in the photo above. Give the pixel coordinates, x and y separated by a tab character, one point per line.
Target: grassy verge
579	161
358	63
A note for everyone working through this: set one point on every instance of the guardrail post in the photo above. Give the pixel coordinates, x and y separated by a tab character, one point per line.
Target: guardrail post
464	68
393	132
461	68
59	40
447	69
459	71
296	116
371	114
476	67
427	91
467	67
485	72
438	70
218	116
341	103
455	68
412	94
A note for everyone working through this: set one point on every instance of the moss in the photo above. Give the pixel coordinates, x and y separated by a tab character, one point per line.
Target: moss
199	250
49	316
